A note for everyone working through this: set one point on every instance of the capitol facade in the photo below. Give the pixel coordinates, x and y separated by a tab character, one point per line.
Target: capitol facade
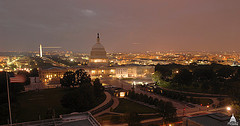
98	55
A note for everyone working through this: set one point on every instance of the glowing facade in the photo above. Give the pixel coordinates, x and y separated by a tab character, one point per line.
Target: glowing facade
98	68
98	55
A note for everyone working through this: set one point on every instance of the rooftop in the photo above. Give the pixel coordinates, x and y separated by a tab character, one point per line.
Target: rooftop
214	119
73	119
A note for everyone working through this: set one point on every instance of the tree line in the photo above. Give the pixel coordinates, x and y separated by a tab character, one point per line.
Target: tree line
214	78
166	109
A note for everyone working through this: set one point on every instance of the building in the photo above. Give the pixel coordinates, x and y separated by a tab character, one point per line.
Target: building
98	55
98	67
214	119
73	119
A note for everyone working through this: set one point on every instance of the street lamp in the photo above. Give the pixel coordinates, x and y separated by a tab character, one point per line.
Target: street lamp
228	108
207	107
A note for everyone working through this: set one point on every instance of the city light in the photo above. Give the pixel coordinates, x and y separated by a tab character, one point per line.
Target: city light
122	94
112	70
228	108
143	65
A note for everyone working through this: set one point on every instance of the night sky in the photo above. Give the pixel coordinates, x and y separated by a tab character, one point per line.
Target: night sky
124	25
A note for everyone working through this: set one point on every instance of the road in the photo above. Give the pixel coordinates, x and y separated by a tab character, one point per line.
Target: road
127	86
182	109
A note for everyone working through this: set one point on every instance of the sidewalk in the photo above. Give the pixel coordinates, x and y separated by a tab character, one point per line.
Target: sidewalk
107	100
114	105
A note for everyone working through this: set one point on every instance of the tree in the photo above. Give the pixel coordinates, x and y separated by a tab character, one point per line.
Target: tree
225	72
155	101
157	77
184	77
167	111
34	72
82	78
98	88
150	100
133	119
68	79
204	73
81	99
145	98
3	82
164	70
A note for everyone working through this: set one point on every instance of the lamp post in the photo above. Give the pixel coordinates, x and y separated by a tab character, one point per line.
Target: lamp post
207	107
9	104
228	110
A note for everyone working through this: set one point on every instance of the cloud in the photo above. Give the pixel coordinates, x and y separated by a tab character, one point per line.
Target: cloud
88	12
136	43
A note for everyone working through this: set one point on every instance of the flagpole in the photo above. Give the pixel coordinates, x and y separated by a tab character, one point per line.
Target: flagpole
9	105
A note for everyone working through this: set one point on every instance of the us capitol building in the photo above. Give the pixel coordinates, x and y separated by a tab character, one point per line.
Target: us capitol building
98	67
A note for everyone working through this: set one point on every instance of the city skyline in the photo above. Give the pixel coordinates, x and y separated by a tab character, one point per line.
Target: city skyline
125	26
125	62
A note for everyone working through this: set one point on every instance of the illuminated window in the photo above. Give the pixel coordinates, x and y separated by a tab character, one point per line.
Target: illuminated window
112	70
122	94
99	60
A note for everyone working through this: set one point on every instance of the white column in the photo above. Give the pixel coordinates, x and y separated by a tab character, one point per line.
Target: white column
40	51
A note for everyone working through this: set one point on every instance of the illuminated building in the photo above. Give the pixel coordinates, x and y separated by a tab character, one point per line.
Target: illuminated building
98	68
98	55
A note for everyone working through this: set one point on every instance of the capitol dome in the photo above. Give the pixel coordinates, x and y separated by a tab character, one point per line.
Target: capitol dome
98	46
98	55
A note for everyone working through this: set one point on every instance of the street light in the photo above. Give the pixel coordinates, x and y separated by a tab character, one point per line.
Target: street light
228	108
207	107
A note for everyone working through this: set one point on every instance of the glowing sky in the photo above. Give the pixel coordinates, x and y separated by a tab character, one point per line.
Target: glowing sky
124	25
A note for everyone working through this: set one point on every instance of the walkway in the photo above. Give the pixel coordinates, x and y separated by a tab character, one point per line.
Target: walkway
176	104
108	110
107	100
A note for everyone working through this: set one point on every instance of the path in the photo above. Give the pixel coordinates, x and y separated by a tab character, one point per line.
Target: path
108	110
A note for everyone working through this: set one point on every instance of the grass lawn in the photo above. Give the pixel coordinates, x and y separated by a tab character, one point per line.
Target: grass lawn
110	119
205	101
35	104
42	103
129	106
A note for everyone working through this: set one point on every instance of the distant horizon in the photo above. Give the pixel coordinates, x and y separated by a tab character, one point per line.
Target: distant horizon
172	51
